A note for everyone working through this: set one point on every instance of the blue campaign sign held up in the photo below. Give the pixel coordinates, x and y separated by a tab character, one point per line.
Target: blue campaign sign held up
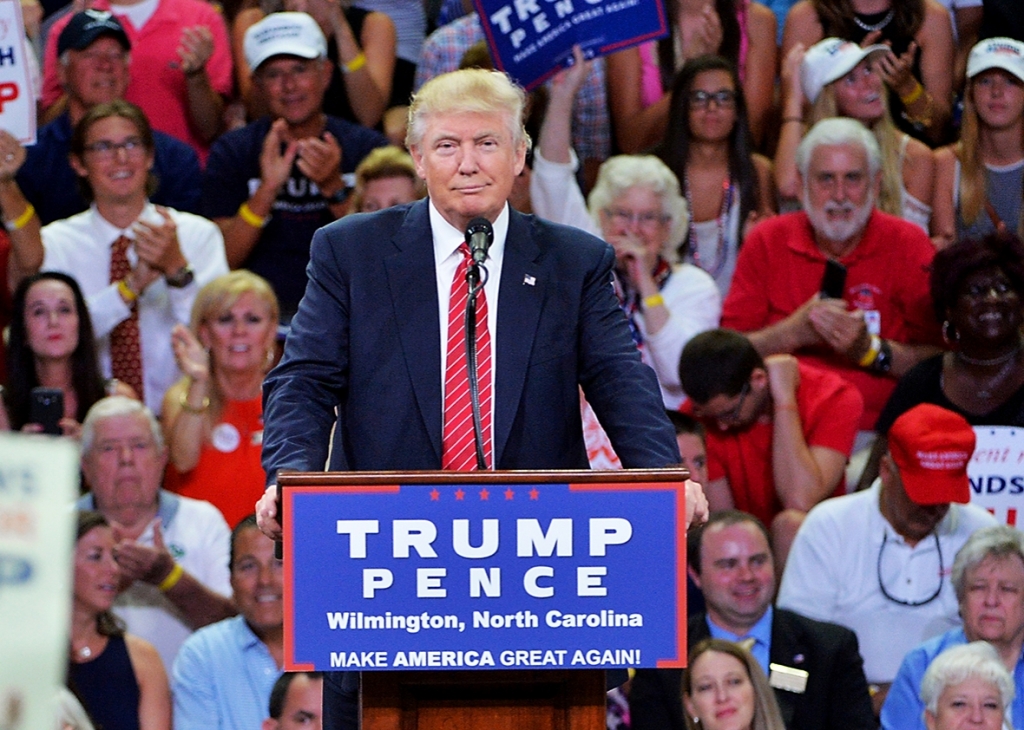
485	576
531	39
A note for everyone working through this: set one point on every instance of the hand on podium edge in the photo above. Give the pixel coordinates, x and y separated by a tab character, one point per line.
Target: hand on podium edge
266	513
696	504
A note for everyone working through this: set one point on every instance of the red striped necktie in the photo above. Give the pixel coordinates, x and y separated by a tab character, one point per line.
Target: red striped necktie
459	439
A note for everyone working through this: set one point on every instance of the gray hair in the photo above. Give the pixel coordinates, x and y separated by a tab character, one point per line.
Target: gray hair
995	541
621	173
468	90
838	131
117	405
977	660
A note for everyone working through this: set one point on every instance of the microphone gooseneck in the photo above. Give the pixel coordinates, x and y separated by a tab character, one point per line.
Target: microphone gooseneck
479	237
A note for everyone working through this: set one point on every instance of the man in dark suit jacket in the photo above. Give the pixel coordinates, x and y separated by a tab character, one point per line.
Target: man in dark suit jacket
365	349
731	561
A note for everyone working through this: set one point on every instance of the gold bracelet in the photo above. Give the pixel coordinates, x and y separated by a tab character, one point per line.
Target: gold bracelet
189	408
251	218
872	353
355	64
22	220
913	95
655	300
172	578
125	290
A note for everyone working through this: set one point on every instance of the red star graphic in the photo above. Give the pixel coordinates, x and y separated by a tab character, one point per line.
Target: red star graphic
435	495
459	495
534	493
509	494
484	495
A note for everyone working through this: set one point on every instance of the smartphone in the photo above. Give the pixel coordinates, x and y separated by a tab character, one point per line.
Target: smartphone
47	409
834	281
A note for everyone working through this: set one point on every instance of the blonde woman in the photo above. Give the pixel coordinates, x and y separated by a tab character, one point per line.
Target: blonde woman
386	177
724	688
213	416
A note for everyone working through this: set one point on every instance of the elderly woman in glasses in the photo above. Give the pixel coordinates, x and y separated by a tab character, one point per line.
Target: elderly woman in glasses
636	206
988	577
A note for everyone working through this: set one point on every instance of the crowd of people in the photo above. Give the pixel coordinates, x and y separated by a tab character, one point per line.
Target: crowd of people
814	211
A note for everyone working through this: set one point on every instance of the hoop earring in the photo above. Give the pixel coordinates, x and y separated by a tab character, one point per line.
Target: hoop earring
948	328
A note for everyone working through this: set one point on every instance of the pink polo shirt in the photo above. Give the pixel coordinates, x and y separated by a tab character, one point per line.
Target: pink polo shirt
157	84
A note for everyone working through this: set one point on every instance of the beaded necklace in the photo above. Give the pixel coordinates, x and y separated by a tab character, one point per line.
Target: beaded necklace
721	255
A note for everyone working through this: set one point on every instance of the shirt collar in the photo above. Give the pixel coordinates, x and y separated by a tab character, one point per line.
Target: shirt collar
807	245
108	231
448	238
761	632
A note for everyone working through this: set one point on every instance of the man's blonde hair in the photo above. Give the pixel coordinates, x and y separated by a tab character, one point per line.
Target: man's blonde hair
466	91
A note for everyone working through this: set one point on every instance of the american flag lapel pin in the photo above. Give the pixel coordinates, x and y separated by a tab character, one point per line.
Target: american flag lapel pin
529	280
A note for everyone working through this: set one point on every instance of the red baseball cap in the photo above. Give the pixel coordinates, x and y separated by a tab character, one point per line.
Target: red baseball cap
931	446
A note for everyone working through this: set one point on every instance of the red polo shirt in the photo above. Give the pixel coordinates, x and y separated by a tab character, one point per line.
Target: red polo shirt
780	268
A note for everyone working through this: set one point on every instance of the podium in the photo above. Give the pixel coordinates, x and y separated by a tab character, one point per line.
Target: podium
484	599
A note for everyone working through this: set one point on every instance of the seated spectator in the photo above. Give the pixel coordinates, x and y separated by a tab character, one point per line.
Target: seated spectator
639	77
978	180
180	68
977	286
883	325
118	677
965	686
93	51
360	47
213	417
445	48
172	551
139	266
730	559
225	672
51	345
386	177
837	78
779	432
691	435
295	702
876	561
636	207
988	577
722	675
918	70
271	184
727	186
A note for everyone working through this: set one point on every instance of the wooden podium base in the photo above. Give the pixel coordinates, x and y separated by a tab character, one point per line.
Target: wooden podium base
484	700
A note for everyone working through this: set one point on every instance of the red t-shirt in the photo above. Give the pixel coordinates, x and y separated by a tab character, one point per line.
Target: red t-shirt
830	409
157	83
780	267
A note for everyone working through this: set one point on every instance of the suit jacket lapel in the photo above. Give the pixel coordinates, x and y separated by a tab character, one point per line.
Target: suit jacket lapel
519	304
786	646
414	298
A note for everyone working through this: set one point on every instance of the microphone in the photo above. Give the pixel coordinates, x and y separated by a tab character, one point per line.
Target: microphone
479	237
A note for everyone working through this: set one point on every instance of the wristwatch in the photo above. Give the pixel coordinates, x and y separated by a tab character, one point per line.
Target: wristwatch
883	360
180	278
340	196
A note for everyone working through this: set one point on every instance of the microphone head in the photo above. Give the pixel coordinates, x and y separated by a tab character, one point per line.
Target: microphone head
480	225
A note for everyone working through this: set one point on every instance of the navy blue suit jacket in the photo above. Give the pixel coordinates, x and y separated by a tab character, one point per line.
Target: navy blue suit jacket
366	339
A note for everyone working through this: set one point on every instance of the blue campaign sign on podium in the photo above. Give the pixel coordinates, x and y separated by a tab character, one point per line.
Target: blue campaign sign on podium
531	39
513	570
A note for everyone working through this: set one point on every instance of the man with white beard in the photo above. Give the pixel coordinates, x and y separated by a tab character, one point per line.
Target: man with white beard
883	323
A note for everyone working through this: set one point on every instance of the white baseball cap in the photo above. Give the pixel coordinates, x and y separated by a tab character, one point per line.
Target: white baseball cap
831	59
1004	53
284	34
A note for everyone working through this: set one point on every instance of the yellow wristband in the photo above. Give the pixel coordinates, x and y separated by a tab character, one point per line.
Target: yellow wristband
913	95
655	300
189	408
355	64
872	353
172	578
22	220
126	292
251	218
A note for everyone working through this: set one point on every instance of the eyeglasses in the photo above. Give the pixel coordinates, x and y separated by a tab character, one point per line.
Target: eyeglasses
723	98
900	601
98	57
106	149
731	416
645	219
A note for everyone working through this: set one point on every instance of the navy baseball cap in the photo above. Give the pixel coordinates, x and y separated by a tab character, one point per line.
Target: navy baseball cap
87	26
